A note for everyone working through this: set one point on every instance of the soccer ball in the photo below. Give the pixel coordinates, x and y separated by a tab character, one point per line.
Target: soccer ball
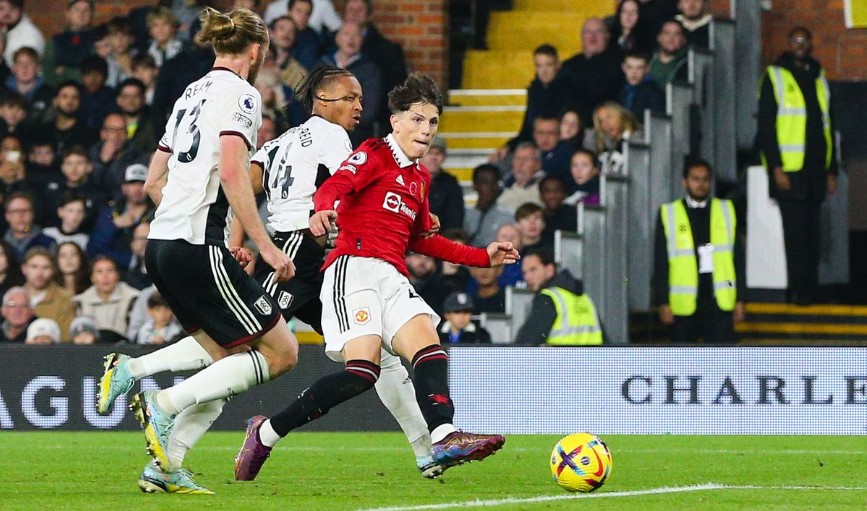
580	462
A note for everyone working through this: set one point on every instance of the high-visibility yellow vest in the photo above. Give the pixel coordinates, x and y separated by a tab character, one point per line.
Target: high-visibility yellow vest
682	263
577	323
792	117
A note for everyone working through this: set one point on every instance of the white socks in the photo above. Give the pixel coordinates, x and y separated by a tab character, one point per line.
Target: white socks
184	355
397	393
267	435
190	426
225	378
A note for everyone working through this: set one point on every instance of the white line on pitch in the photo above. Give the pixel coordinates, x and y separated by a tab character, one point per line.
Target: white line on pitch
633	493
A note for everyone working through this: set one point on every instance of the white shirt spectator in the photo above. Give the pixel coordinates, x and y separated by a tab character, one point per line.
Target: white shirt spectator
23	34
323	16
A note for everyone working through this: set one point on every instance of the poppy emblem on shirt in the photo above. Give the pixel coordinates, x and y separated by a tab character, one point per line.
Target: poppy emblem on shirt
413	188
361	316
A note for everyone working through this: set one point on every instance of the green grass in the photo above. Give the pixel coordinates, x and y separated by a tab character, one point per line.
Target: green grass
48	471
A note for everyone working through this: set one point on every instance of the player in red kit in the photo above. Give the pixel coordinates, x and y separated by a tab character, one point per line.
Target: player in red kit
368	301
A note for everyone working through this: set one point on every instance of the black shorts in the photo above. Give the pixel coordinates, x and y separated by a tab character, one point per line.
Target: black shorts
208	290
299	296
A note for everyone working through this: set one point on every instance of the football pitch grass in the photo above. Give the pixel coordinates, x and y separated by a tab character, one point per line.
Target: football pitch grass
48	471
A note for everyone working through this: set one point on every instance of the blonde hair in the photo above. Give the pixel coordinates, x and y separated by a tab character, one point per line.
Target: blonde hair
231	33
627	123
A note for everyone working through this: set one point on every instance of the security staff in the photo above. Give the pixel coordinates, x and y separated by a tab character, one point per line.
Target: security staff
698	261
795	140
561	314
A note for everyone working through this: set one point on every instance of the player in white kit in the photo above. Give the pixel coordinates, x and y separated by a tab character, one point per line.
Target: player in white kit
199	178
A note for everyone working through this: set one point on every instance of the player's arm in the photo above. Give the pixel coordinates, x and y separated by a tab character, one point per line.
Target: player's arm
257	173
354	174
235	180
158	172
495	254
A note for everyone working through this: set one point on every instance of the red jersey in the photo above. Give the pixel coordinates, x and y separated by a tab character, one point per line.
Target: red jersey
384	207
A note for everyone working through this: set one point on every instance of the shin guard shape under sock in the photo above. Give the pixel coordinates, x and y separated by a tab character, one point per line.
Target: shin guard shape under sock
430	375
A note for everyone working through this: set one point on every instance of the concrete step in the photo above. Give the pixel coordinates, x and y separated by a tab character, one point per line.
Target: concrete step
482	119
488	69
481	97
482	141
517	30
549	5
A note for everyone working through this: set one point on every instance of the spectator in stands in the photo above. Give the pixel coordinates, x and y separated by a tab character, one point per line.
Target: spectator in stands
23	234
13	172
426	277
283	35
43	171
554	151
162	327
626	29
163	29
526	173
482	220
10	269
488	295
97	99
561	314
272	91
140	127
796	143
108	301
446	195
25	80
699	263
669	63
323	20
613	127
267	131
73	268
640	92
4	67
188	66
458	326
558	215
511	275
545	95
455	276
136	274
72	213
349	56
13	113
43	331
593	76
16	312
120	52
65	128
113	233
66	50
585	176
138	315
307	41
111	156
49	299
84	331
19	28
571	128
530	221
145	70
696	21
76	170
384	53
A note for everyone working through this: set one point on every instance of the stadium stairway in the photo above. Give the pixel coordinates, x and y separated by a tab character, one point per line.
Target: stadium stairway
488	109
776	324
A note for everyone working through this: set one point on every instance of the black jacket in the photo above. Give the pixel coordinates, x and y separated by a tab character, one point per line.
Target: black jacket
542	315
447	200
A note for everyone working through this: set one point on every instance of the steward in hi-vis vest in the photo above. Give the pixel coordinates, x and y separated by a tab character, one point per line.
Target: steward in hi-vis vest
795	139
698	263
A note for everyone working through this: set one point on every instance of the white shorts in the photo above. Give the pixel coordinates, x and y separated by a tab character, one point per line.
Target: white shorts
366	296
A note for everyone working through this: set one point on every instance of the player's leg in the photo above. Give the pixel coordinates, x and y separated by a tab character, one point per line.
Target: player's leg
359	374
417	341
397	393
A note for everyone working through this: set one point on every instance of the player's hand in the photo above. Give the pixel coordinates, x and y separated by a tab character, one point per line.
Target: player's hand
242	255
782	180
665	314
322	222
434	226
502	253
284	268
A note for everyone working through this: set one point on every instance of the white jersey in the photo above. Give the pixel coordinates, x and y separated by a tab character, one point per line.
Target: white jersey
295	164
194	207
